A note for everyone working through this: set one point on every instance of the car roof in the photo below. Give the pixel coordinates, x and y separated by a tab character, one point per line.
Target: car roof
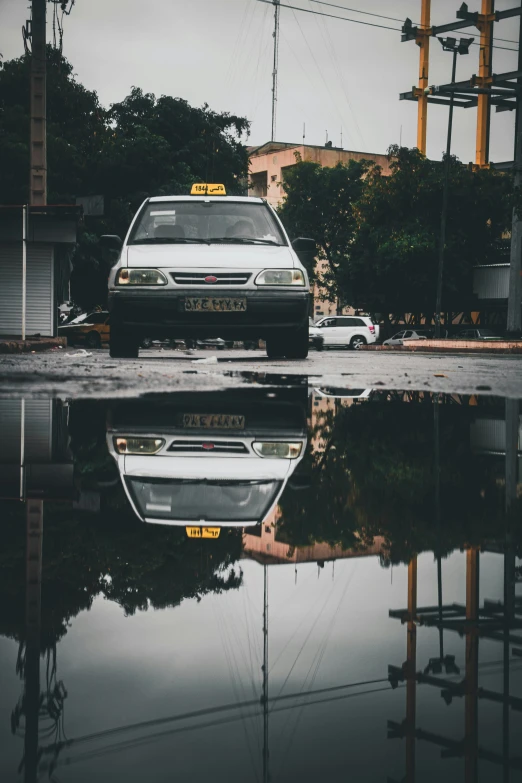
246	199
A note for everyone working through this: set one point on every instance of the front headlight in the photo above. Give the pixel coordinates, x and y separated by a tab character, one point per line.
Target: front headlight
280	277
140	277
145	446
276	450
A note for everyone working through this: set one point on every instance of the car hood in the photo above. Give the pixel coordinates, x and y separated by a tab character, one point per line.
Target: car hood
209	257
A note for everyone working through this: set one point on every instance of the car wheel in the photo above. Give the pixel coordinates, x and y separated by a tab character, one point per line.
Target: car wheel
274	347
296	344
146	342
319	345
229	345
357	342
123	346
93	340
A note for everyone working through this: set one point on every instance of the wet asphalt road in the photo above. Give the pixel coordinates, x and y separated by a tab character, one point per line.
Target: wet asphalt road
73	374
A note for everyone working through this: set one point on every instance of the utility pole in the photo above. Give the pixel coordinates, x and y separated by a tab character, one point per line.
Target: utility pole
38	132
485	25
514	314
423	41
276	64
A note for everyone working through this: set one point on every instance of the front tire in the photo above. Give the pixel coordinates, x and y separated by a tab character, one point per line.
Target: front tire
123	346
357	342
297	344
93	340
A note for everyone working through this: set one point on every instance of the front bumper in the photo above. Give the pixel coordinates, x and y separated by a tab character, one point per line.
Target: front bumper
157	313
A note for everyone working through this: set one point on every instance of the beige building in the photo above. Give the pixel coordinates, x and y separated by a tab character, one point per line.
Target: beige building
271	161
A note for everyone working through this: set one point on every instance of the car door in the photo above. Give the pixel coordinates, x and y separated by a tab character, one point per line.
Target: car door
345	330
328	330
408	334
396	339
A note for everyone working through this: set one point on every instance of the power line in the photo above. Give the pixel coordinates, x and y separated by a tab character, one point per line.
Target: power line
359	21
390	18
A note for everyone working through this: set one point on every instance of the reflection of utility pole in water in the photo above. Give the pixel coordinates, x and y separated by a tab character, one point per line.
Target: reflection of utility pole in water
512	420
471	681
264	697
33	606
411	665
436	434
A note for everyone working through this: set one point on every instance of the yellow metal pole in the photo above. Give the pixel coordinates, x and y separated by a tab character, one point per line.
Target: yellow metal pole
423	42
485	26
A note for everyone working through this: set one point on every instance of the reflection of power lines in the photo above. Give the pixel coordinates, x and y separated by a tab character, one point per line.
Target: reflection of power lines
219	710
494	621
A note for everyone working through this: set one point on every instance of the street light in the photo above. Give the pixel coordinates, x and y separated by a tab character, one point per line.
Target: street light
456	47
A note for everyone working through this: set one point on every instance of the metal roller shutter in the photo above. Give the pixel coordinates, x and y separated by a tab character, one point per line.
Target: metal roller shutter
40	293
11	288
40	289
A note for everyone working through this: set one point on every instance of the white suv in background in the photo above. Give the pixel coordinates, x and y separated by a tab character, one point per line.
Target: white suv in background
352	331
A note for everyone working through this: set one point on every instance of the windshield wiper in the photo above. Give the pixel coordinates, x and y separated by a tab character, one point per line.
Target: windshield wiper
169	241
245	241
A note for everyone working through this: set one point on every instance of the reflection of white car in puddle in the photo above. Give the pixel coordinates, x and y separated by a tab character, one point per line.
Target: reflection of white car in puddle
208	460
340	393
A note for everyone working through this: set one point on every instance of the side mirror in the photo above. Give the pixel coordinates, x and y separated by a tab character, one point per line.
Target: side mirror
304	245
300	482
111	242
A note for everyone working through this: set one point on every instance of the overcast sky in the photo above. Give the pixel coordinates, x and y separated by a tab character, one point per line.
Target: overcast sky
333	74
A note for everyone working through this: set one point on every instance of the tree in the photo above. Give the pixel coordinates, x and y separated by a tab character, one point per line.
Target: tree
76	131
320	204
143	146
392	263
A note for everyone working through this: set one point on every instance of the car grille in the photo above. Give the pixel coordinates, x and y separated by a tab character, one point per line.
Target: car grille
220	278
209	446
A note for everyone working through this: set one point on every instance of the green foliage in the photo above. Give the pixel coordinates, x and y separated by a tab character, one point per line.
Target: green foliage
143	146
374	475
380	234
320	203
392	263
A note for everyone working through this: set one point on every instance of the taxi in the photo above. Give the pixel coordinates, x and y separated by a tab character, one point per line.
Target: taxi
209	265
90	329
208	460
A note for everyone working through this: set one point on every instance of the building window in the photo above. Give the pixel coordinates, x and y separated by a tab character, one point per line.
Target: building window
259	184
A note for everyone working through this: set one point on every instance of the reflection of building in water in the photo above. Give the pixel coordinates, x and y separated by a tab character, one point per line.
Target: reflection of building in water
266	548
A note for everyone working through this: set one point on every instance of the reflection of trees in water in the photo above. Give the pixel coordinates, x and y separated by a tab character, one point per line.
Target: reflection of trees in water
110	554
374	475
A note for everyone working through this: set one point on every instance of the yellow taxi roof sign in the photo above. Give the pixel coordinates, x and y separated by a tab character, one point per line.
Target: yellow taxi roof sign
206	189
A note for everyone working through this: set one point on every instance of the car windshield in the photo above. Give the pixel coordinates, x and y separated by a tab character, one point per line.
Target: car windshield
206	222
195	500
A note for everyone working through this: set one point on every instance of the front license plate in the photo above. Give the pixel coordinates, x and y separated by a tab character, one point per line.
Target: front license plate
213	421
214	304
203	532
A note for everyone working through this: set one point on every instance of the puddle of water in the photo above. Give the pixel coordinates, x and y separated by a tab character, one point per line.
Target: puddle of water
351	602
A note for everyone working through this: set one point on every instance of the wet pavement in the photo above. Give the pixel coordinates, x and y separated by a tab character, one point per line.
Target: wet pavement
77	372
273	581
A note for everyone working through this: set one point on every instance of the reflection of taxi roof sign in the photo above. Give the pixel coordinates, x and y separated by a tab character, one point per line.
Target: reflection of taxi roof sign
204	189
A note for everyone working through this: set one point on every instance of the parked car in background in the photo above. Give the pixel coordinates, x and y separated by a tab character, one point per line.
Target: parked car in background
315	336
90	329
478	333
409	334
348	331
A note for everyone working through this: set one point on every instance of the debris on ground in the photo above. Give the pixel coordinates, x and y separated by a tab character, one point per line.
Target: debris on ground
208	360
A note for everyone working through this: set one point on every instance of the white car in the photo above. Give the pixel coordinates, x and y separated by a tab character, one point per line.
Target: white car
351	331
409	334
208	265
208	460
